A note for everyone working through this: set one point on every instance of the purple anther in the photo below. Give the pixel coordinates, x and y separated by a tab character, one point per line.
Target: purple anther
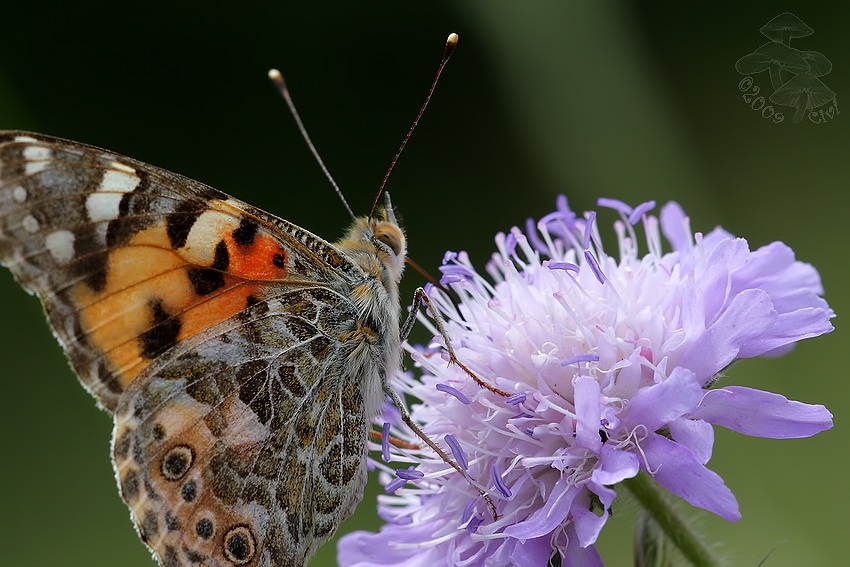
588	229
454	392
594	265
639	211
409	473
500	484
567	266
385	441
615	204
457	451
516	399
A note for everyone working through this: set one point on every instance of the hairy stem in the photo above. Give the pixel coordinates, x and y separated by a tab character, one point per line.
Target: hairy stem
657	504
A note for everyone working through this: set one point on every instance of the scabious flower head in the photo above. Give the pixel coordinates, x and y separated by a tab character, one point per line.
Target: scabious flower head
611	363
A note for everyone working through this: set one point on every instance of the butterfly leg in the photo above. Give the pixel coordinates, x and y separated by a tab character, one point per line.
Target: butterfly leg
405	417
422	301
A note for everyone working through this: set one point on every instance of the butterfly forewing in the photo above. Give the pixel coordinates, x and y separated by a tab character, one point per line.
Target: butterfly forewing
241	356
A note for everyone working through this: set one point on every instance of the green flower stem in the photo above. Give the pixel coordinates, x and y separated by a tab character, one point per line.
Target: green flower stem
655	503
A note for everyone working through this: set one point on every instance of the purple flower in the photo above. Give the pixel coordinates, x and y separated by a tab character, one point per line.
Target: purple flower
612	364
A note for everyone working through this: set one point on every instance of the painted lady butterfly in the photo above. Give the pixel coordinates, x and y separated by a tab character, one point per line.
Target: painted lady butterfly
241	356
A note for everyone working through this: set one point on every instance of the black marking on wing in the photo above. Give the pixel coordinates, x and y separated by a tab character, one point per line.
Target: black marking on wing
181	221
133	213
162	335
207	280
246	231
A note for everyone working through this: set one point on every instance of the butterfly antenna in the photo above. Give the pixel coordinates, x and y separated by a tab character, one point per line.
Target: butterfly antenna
451	42
424	273
277	78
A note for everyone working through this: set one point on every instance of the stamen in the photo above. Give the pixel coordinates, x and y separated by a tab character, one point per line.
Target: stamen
522	415
516	399
639	211
597	271
566	266
385	442
468	511
454	392
615	204
588	228
500	484
391	519
531	233
580	358
409	473
510	244
457	451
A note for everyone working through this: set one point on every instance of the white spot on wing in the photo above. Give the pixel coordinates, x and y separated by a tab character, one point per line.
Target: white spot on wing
60	244
30	224
122	167
206	234
118	181
19	194
34	167
104	204
36	157
25	139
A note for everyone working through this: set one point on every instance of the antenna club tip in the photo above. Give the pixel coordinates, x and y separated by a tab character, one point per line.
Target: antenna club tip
275	75
451	43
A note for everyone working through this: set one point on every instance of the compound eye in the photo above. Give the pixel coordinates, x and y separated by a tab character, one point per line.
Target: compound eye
391	236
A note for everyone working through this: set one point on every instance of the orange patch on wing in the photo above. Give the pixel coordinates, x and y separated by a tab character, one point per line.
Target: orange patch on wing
115	317
147	271
264	259
216	308
255	261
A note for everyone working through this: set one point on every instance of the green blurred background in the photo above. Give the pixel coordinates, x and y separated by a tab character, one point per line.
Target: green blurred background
633	101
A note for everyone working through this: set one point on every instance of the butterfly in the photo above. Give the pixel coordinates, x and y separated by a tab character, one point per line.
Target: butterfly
241	357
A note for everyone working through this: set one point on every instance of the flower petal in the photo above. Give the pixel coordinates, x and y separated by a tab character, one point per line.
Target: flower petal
588	523
696	435
548	517
774	269
749	315
789	328
532	552
367	549
578	556
587	413
762	414
614	466
677	469
676	227
655	406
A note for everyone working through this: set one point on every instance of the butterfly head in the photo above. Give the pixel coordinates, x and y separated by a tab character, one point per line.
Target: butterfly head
377	243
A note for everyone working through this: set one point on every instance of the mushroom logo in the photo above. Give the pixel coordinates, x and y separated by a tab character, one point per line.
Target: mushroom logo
803	92
793	73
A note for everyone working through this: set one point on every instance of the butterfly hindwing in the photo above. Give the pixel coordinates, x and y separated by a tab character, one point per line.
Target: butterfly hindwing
232	449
